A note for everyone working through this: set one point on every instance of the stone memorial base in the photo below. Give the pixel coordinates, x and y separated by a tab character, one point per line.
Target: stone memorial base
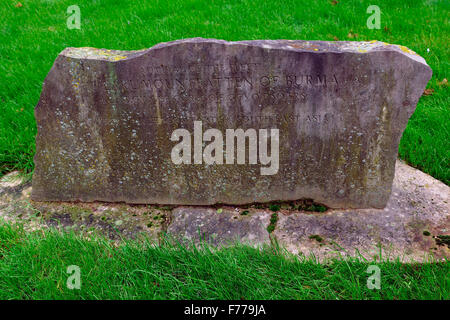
414	226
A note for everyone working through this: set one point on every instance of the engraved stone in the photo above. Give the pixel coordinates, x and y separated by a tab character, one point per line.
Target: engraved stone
204	121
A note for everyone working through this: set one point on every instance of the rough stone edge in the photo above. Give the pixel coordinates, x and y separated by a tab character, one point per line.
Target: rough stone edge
315	46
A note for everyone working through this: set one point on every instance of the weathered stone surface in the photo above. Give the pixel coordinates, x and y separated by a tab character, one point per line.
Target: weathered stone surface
105	120
194	224
417	215
113	220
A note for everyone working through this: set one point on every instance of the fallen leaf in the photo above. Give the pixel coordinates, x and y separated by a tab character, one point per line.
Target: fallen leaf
334	2
352	35
428	92
335	38
444	82
18	5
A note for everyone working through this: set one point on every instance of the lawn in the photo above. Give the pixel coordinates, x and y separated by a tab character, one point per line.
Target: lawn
34	266
34	32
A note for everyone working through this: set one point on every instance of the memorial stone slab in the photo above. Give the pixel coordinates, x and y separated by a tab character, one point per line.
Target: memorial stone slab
205	121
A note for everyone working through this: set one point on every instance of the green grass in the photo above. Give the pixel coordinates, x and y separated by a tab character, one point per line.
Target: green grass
34	266
32	36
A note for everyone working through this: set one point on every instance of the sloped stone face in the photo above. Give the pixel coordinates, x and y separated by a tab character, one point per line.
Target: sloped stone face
106	118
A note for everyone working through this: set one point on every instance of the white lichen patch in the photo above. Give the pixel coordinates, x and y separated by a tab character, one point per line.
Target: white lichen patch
94	53
367	46
375	45
362	46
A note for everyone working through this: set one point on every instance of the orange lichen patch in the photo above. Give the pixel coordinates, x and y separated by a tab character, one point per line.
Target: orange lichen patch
295	45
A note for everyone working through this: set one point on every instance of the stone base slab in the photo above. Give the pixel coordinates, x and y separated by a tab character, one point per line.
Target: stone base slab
414	226
410	227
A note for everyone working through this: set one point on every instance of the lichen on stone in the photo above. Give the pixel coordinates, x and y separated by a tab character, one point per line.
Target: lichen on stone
94	53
